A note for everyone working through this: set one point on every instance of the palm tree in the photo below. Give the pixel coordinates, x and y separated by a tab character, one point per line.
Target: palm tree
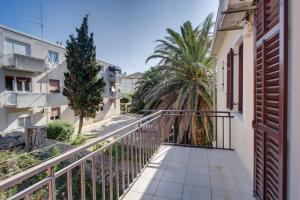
183	81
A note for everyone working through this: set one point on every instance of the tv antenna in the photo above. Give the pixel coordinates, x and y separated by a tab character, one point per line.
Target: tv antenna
39	21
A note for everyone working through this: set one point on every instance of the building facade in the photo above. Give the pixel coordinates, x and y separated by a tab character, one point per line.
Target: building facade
32	80
255	47
129	83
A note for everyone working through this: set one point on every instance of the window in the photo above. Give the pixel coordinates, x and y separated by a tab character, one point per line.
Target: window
16	47
24	121
229	91
241	58
55	113
53	57
23	84
9	83
101	106
54	86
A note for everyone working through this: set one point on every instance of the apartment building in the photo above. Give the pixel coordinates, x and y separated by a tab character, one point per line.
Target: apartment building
32	80
255	47
129	83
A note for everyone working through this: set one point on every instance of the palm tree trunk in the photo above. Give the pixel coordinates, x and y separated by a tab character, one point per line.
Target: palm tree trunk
80	124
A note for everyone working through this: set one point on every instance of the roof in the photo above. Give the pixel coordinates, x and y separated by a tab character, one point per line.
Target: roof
30	36
136	75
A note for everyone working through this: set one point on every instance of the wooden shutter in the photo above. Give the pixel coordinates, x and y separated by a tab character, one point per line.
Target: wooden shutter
229	90
241	73
270	99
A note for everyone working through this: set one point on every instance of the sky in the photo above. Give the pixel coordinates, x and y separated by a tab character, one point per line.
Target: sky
124	30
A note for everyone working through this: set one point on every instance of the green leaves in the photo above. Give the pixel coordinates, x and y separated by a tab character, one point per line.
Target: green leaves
83	87
181	80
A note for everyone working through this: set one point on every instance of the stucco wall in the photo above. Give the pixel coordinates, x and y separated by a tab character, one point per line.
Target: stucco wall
39	84
242	132
293	175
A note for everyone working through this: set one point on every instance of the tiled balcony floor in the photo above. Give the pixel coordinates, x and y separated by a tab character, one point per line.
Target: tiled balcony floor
193	174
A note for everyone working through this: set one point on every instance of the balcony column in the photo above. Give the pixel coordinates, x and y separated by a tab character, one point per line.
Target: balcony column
15	84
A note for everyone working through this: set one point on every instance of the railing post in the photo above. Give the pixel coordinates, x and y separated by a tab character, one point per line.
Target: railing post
117	172
69	184
229	116
82	180
223	131
161	128
140	148
51	185
94	177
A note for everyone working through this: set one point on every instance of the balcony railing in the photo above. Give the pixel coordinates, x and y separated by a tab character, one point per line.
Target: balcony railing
113	95
56	99
23	99
24	63
108	171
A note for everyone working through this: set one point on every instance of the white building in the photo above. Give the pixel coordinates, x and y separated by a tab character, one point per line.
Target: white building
255	47
32	80
129	83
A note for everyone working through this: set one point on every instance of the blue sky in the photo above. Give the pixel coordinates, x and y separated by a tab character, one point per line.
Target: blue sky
124	30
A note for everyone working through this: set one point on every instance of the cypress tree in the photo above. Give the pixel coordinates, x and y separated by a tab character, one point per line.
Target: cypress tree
83	86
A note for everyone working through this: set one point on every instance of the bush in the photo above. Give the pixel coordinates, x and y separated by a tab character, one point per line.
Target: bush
78	140
60	130
124	100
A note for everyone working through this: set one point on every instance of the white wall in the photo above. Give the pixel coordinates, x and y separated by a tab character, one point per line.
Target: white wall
293	176
39	49
242	132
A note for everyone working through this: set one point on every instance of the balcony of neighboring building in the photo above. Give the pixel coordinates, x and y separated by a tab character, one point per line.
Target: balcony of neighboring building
55	96
113	93
24	63
23	99
18	93
113	73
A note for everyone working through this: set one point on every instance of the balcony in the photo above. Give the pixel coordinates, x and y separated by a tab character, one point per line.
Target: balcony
145	160
23	100
24	63
113	95
112	77
231	12
56	99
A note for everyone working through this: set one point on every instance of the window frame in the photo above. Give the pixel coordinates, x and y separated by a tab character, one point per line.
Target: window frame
54	91
55	117
17	42
50	58
12	79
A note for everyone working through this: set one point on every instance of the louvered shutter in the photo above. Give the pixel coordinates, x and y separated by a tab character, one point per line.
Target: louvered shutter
229	90
241	74
270	99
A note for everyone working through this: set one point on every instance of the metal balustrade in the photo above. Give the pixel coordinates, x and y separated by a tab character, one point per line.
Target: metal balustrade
107	170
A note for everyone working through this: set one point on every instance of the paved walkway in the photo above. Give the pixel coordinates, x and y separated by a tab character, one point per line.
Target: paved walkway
193	174
104	127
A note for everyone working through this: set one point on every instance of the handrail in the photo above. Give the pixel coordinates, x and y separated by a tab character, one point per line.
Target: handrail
9	182
134	146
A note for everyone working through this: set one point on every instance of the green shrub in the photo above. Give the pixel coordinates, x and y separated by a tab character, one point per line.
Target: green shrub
124	100
60	130
78	140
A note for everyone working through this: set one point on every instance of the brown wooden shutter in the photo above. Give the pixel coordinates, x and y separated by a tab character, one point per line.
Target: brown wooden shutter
241	73
229	91
270	99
